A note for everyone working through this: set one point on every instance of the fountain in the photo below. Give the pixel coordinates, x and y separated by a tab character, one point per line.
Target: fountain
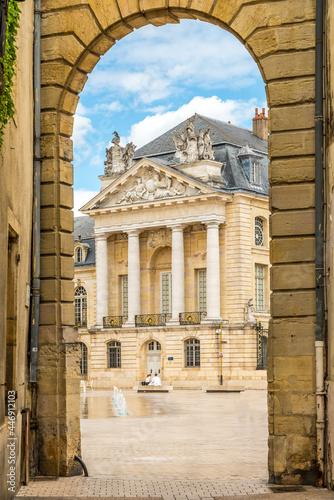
119	402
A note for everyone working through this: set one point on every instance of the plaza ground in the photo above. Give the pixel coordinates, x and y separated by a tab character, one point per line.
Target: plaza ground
180	445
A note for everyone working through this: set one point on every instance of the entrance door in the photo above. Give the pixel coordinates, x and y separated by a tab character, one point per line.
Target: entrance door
153	357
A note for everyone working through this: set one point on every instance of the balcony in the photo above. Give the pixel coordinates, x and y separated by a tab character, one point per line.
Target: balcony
114	321
81	324
191	318
144	320
152	319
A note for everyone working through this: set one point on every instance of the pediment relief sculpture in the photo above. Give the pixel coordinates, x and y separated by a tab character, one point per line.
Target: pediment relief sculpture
190	147
119	159
153	185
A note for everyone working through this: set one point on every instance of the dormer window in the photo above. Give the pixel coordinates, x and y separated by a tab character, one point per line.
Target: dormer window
255	173
79	254
250	163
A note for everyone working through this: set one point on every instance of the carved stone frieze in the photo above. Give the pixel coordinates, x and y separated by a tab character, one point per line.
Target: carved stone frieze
159	237
198	227
121	236
151	185
190	147
119	159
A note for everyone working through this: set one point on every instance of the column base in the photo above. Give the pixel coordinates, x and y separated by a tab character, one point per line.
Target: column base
130	324
173	322
212	320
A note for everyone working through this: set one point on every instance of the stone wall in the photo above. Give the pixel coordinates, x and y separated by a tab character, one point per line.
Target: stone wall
329	86
239	362
281	37
16	164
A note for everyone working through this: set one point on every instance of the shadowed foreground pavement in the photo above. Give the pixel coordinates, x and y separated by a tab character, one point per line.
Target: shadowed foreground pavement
182	445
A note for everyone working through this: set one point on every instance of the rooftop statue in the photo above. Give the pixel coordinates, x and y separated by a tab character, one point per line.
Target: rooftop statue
119	159
190	147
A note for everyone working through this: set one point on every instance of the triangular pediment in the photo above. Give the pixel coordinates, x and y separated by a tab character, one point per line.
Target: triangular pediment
145	182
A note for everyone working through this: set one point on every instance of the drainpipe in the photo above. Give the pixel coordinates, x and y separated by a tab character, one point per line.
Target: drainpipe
35	279
319	241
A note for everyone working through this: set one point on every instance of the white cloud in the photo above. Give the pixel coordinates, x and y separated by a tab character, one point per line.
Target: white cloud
82	125
81	197
148	85
154	62
236	111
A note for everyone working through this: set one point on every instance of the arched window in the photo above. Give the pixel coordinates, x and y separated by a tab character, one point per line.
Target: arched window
114	354
192	352
79	254
154	346
80	306
258	232
83	360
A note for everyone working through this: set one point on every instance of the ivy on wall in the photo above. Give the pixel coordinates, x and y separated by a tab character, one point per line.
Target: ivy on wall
7	108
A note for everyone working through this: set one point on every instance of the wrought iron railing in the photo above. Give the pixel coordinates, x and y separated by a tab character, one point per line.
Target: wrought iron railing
152	319
191	318
81	324
261	347
114	321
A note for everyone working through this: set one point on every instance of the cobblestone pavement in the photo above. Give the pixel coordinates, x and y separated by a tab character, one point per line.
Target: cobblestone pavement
183	445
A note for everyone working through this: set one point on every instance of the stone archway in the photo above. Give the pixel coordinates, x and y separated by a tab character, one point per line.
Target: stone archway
281	37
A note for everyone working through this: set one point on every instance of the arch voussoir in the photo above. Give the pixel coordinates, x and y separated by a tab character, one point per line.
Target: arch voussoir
280	35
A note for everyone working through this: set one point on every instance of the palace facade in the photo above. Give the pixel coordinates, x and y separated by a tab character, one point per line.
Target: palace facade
175	249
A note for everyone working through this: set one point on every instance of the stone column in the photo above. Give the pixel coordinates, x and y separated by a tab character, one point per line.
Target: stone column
212	272
177	272
133	276
101	278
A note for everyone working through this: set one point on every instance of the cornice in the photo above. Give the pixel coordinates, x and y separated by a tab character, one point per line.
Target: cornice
223	197
169	222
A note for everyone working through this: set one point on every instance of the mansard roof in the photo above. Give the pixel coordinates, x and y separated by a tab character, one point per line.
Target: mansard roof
84	227
228	141
220	132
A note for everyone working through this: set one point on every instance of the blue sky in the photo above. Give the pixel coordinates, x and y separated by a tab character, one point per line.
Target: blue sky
153	79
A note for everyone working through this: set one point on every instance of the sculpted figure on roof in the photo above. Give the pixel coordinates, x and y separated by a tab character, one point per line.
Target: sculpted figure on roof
191	148
119	159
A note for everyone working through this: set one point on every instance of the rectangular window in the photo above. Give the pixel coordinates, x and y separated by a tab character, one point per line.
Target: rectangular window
201	276
114	355
192	352
166	292
255	173
125	295
259	287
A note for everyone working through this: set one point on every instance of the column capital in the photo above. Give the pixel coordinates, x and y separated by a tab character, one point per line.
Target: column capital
176	227
212	224
133	232
101	236
213	220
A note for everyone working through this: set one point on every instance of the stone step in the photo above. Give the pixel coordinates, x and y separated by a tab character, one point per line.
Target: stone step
222	388
152	388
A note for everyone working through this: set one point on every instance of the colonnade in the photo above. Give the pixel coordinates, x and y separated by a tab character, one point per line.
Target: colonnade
178	288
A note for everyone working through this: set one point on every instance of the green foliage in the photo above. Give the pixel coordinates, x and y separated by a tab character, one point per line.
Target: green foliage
7	108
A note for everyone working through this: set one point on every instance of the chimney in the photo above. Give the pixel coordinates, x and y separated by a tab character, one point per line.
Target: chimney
260	124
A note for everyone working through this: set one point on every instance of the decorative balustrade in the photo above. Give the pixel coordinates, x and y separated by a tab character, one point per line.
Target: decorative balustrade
262	336
191	318
152	319
114	321
81	324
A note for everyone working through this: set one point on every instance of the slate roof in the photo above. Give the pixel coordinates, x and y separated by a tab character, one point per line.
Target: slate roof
221	132
84	226
228	140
